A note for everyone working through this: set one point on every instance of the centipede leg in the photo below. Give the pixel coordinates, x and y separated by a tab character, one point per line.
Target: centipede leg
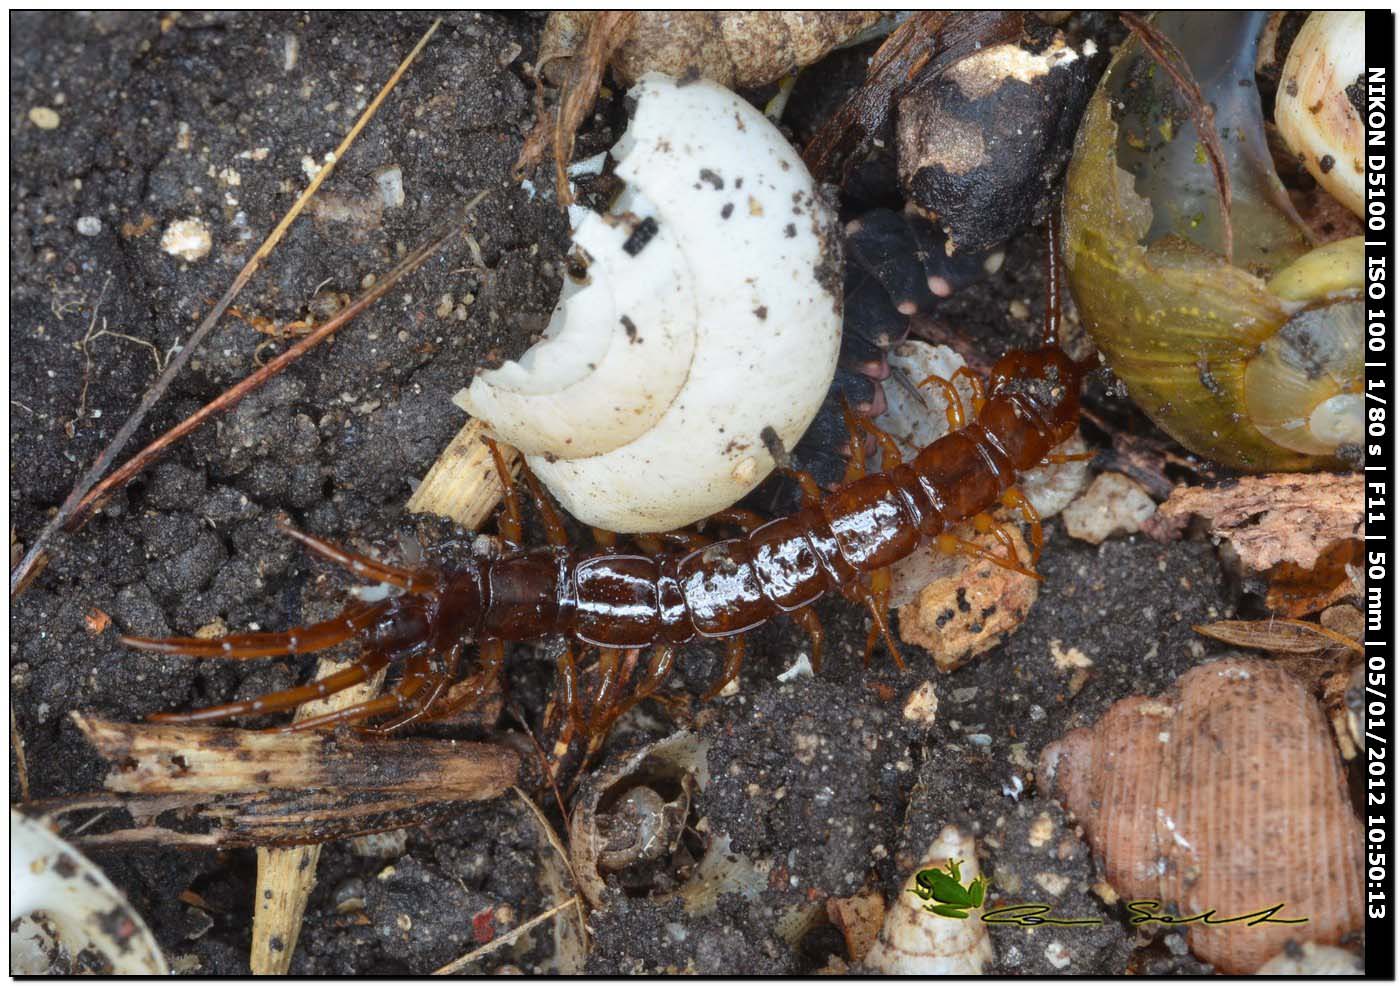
746	520
979	389
808	620
733	664
807	483
1060	458
439	677
663	659
509	524
492	658
877	599
554	529
568	680
605	693
889	450
604	539
1017	500
289	698
952	401
392	702
246	646
361	565
855	465
811	492
953	545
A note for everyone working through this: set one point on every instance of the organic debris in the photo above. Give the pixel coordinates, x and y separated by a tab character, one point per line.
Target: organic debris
278	789
969	606
1286	517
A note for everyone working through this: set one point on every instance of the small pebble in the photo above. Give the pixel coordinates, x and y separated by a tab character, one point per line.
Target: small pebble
89	226
390	181
43	118
187	239
1113	504
1019	309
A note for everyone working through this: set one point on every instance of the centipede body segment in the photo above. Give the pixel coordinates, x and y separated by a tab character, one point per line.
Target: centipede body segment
680	589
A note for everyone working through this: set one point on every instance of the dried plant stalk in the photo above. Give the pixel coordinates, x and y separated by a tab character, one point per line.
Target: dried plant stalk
462	484
279	789
286	877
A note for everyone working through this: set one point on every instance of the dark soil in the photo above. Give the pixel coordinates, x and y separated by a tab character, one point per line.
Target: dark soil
155	117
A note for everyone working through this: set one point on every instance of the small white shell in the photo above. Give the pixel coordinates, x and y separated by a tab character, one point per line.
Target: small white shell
80	907
1313	110
913	942
711	311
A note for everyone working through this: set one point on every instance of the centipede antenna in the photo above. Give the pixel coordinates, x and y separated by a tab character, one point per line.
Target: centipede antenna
1051	336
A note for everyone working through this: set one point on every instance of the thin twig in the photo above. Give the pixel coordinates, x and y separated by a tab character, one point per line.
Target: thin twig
506	939
99	493
17	744
563	853
67	514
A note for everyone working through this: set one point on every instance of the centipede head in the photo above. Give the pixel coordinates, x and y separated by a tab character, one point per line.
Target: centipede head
1048	380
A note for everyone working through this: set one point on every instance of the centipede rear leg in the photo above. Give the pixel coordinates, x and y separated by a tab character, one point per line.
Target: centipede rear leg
338	681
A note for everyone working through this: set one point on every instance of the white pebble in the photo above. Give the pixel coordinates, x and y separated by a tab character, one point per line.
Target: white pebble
43	118
390	180
1113	504
89	226
187	239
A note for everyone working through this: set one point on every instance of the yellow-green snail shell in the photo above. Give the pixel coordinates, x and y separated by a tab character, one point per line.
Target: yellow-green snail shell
1254	361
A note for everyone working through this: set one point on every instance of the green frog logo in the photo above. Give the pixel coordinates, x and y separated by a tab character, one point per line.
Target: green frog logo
950	898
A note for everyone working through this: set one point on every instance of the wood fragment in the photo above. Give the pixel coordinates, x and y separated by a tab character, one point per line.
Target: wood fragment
286	877
281	789
462	484
1284	517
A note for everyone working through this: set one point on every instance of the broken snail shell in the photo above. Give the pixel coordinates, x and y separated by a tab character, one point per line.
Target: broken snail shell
1247	349
1318	109
633	829
61	903
982	142
1224	794
741	49
709	312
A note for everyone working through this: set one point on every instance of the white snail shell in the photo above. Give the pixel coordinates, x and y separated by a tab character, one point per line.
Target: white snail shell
913	942
1314	111
80	907
710	312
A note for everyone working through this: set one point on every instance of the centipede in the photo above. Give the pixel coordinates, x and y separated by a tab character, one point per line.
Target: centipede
841	541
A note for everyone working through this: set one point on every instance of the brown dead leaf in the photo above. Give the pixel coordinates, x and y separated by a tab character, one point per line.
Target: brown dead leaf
859	919
1297	591
1279	636
1285	517
918	51
606	31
